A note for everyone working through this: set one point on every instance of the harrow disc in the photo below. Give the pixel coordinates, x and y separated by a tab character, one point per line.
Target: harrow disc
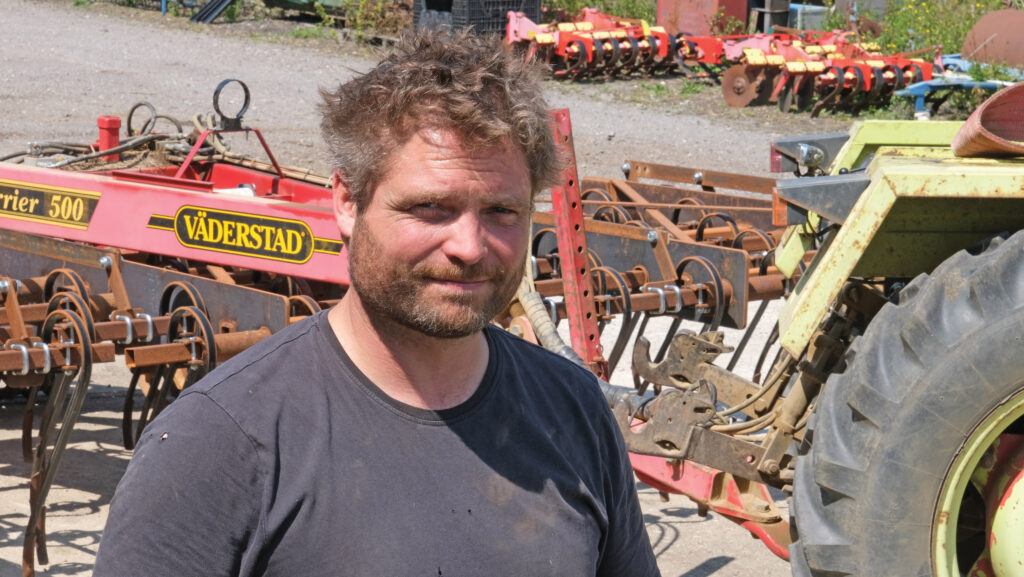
738	86
786	97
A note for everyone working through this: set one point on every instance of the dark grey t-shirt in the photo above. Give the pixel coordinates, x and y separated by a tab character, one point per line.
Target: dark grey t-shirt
287	460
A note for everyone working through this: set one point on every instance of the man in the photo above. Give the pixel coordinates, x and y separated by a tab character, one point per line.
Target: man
399	434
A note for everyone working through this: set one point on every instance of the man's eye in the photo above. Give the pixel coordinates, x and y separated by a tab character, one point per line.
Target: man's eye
427	210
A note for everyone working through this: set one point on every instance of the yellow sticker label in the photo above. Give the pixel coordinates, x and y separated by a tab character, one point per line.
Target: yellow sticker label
47	204
244	234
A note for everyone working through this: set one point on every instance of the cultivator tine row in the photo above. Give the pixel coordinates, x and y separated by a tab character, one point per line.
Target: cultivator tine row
693	254
215	251
601	45
696	251
802	70
172	328
839	75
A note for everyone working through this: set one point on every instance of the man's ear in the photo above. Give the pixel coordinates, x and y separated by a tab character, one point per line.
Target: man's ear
344	205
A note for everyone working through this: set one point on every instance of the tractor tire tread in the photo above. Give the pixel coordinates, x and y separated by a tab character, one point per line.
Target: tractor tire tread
848	450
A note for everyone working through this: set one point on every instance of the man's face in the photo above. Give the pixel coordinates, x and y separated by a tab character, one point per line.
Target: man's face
440	247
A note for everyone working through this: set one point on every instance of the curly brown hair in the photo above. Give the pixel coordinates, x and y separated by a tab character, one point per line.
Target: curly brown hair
474	85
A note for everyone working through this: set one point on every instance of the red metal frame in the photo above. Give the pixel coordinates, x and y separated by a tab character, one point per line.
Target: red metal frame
718	492
183	218
572	251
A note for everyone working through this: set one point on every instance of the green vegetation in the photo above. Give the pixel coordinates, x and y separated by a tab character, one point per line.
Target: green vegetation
322	29
368	15
232	12
917	24
644	9
725	25
656	90
690	88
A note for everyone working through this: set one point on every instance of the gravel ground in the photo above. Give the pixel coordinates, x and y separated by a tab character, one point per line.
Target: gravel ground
61	66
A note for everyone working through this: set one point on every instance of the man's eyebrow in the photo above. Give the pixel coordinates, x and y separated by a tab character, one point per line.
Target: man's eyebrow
505	198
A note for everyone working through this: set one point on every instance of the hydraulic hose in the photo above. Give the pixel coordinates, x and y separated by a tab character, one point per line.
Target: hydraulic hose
128	145
549	338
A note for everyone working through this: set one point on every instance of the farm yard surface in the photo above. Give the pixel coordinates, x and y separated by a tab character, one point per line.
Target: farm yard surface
62	66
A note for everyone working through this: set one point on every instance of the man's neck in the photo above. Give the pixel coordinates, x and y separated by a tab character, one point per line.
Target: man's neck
410	367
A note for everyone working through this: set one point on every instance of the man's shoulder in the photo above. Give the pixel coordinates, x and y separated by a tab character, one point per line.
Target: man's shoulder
536	356
553	373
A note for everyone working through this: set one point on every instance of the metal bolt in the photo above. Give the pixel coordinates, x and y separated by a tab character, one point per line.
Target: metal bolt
698	178
4	287
626	169
771	466
106	262
652	237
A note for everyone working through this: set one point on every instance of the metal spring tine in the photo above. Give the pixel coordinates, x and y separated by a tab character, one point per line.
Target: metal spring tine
668	339
772	338
147	403
623	339
129	407
747	334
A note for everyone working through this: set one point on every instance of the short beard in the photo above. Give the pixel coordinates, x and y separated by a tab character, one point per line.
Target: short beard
392	294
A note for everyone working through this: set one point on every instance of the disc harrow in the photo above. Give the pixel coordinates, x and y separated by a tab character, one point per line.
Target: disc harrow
797	70
819	71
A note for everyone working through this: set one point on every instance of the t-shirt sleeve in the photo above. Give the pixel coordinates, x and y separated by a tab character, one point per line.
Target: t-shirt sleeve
189	498
627	550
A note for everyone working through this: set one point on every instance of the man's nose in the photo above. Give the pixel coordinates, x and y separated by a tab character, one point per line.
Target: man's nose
467	239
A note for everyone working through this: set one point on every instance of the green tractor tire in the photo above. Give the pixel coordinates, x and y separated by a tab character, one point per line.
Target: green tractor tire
912	462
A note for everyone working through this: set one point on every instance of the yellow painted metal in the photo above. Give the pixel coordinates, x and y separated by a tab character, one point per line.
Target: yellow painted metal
966	469
867	136
795	243
916	212
1007	542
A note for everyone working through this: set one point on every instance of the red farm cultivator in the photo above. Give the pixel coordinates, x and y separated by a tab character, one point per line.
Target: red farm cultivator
802	70
818	71
165	248
597	44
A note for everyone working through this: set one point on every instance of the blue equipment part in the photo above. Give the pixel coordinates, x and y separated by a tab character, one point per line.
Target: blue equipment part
941	87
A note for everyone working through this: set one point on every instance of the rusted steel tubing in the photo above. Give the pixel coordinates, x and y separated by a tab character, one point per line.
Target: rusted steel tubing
640	301
12	360
117	330
156	355
113	330
30	313
674	206
769	287
707	179
230	344
544	266
227	345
